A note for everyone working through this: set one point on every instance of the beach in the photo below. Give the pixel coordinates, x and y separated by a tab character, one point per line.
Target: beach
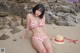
62	19
16	45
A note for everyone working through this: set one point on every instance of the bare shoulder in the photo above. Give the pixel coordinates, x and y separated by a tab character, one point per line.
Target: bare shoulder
29	15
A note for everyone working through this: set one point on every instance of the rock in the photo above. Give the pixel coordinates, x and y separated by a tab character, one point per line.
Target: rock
61	23
7	27
3	14
1	23
65	9
48	20
77	20
77	7
3	10
26	7
20	1
8	21
12	21
65	23
49	17
13	24
66	20
71	23
9	18
15	30
18	20
59	11
23	22
60	14
35	1
50	13
4	37
17	9
70	17
14	39
56	18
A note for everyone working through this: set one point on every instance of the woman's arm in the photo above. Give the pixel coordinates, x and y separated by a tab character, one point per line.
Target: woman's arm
27	26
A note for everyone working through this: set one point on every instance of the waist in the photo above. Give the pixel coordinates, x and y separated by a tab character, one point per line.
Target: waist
36	26
39	29
38	33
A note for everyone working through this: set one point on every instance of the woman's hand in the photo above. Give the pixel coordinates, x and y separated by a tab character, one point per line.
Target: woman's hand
23	37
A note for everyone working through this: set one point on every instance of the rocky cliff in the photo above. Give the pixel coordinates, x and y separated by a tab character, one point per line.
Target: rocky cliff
60	12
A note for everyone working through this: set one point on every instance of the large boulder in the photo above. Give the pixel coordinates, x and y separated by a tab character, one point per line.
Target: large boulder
65	9
3	9
12	21
50	17
67	19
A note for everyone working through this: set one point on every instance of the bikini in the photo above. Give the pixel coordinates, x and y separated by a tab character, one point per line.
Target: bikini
34	25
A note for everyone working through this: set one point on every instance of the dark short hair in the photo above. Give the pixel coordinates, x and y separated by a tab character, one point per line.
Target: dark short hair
42	9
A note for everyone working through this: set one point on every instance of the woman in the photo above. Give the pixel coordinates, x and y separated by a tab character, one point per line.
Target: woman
36	23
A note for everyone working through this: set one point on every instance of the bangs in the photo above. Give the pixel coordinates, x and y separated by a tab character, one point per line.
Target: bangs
40	9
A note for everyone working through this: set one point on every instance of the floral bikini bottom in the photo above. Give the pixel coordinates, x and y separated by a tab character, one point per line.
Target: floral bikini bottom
40	37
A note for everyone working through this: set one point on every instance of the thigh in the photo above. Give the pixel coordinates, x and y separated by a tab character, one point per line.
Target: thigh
37	44
47	45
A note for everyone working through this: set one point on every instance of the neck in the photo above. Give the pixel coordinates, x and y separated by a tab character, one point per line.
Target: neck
36	16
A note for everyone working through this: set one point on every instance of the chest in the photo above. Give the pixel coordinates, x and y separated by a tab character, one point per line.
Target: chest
39	22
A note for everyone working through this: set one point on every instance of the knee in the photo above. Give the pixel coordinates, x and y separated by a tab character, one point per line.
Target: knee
49	50
42	51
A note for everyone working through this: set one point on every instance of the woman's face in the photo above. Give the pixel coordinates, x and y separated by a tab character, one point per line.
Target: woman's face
38	12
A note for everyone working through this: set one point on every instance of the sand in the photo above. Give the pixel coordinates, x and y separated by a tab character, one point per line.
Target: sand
16	45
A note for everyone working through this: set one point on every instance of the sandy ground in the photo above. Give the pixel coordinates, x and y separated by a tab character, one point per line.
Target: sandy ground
24	46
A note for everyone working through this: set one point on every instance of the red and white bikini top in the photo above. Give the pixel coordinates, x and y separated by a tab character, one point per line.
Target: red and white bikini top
34	24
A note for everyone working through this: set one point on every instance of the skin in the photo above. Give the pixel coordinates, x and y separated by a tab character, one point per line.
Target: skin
41	47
